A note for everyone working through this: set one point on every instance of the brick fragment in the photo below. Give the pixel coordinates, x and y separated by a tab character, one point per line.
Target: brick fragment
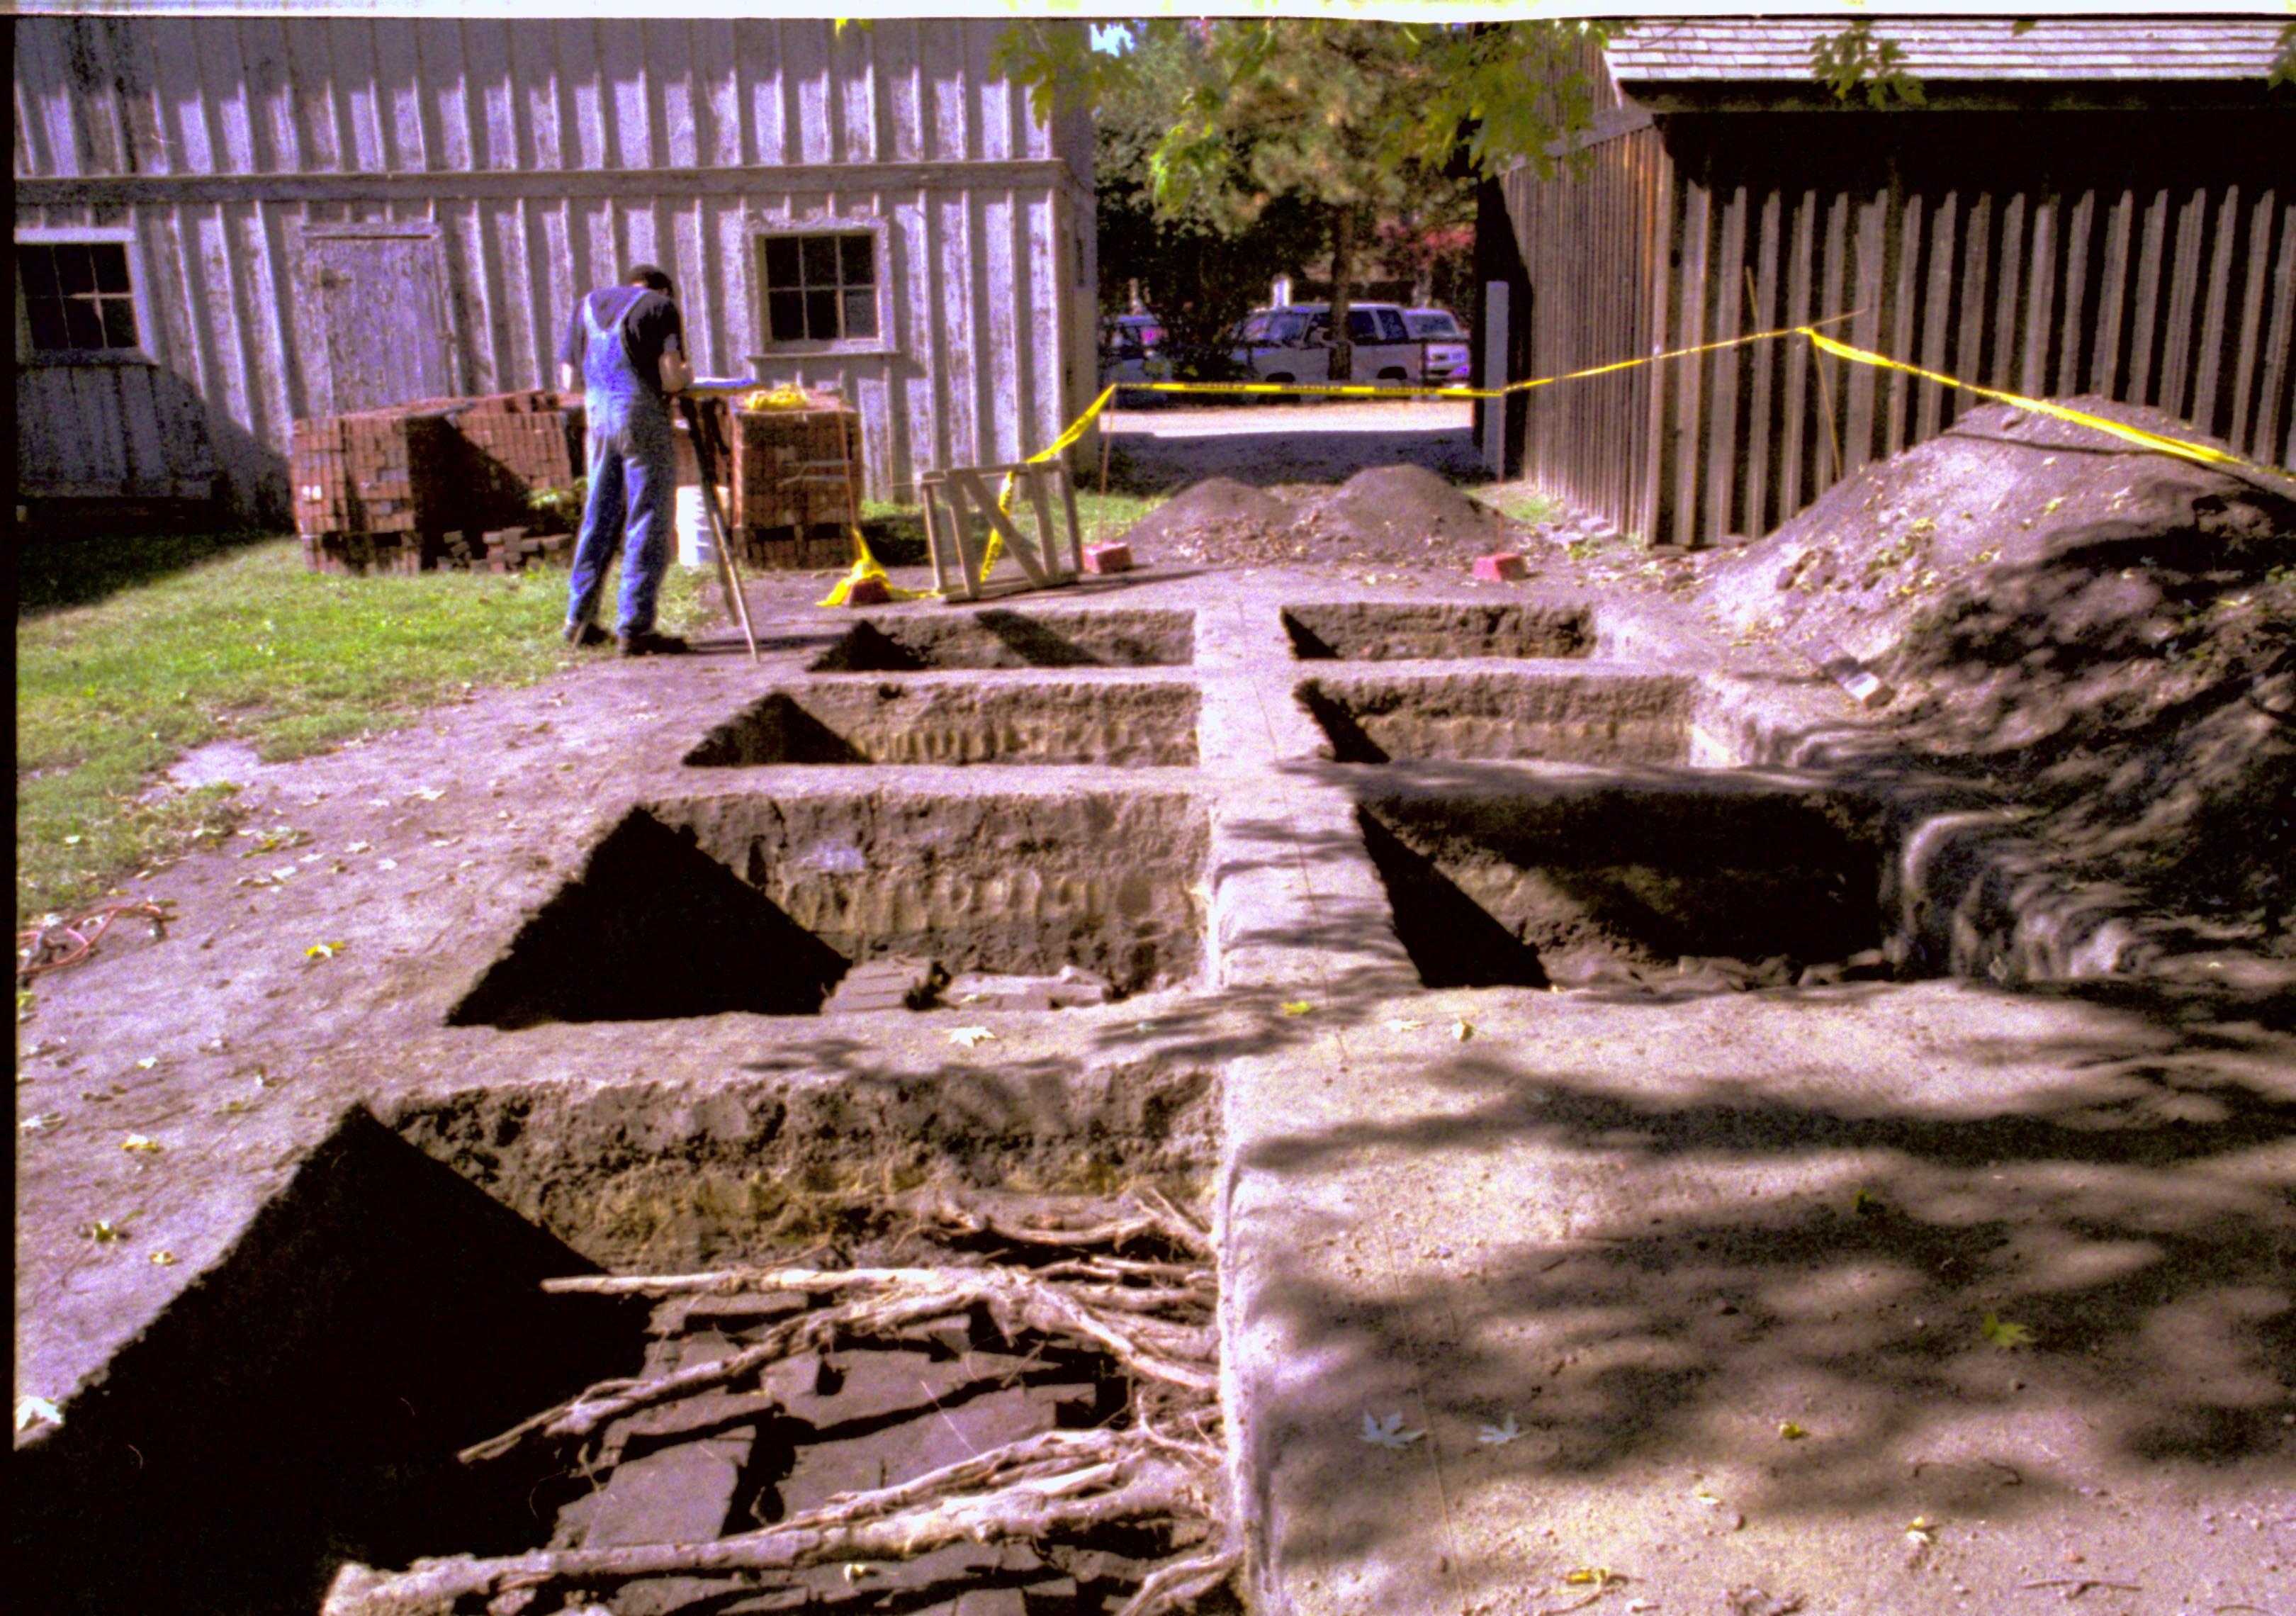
1504	567
1108	558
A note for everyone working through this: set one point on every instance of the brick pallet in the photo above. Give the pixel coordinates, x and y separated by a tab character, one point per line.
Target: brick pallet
428	484
792	502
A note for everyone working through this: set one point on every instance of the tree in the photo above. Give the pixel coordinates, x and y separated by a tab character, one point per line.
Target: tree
1337	121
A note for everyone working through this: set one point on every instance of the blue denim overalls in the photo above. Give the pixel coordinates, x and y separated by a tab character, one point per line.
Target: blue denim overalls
632	471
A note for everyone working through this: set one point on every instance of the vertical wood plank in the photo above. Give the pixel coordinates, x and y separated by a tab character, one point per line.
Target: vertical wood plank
545	103
953	131
2275	413
46	130
1869	297
2073	336
358	85
854	55
2008	302
320	134
2255	273
398	79
2213	412
1937	314
916	441
2040	312
143	448
589	143
1764	315
805	58
757	57
2112	299
1969	347
1905	252
135	80
447	137
901	65
490	94
2184	298
95	92
274	146
1794	419
718	101
1835	268
183	97
670	67
2145	310
1727	279
1682	445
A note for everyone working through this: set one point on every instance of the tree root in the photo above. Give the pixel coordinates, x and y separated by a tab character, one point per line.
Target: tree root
1152	1349
1134	1485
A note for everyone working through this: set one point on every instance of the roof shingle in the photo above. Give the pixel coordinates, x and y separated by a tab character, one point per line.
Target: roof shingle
1740	49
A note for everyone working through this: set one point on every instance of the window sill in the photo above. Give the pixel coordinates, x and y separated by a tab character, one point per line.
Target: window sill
860	348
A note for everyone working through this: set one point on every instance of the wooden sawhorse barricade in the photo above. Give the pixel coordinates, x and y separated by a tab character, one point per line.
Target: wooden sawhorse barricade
961	560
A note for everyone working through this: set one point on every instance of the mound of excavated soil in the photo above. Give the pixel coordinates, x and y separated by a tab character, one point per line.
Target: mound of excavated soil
2106	635
1406	513
1389	516
1217	520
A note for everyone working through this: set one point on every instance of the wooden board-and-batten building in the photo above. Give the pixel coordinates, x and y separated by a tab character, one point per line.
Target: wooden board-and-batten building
225	223
2102	205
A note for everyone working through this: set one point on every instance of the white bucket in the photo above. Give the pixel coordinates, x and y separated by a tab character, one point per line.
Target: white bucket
696	545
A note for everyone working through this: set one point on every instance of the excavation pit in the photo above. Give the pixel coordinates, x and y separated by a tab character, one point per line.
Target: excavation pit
1578	717
1122	726
1714	885
744	904
1386	631
1002	638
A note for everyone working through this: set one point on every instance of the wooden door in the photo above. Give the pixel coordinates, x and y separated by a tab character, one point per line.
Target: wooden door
373	311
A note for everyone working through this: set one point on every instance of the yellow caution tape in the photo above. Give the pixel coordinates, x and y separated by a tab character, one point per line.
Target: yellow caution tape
2157	441
866	566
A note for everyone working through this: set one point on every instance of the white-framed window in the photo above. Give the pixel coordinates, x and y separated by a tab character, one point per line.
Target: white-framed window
824	287
81	297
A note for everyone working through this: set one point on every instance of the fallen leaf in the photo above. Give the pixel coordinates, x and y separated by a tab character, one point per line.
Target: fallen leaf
1710	1500
1297	1007
1791	1432
1499	1436
1592	1576
1921	1528
147	1063
34	1124
163	1260
104	1232
1405	1026
386	864
324	950
32	1411
970	1036
358	846
2004	1334
1388	1432
141	1145
1462	1030
428	794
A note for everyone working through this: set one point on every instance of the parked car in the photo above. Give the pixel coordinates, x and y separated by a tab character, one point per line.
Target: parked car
1448	362
1133	348
1293	344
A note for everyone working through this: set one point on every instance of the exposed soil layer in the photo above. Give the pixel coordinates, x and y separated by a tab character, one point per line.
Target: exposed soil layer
1578	718
2101	638
1675	889
649	1176
741	903
1001	638
1144	726
1377	631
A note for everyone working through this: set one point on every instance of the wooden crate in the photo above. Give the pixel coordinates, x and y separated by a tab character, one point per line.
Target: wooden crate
791	549
789	468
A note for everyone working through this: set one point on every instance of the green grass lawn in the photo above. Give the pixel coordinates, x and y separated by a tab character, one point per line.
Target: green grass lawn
130	652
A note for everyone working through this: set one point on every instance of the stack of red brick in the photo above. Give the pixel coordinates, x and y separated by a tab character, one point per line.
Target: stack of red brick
437	482
795	472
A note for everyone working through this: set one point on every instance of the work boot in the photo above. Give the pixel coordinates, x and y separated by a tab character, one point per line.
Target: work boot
582	636
648	643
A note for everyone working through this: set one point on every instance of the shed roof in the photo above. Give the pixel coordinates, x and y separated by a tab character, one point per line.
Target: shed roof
1717	50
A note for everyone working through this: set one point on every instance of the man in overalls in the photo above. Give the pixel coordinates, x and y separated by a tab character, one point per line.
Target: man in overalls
626	344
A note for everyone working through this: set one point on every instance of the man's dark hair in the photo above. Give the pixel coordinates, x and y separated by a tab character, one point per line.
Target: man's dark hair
649	275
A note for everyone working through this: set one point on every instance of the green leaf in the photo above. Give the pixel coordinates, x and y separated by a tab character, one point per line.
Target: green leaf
2004	1334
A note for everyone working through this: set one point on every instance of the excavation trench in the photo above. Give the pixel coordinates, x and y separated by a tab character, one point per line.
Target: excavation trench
997	637
1385	631
438	1275
1130	725
1567	717
742	903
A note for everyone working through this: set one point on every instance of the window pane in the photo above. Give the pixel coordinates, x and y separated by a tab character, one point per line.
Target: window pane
45	316
119	323
785	314
111	266
1361	327
821	316
37	265
860	313
1391	328
859	254
82	324
820	260
73	269
781	260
